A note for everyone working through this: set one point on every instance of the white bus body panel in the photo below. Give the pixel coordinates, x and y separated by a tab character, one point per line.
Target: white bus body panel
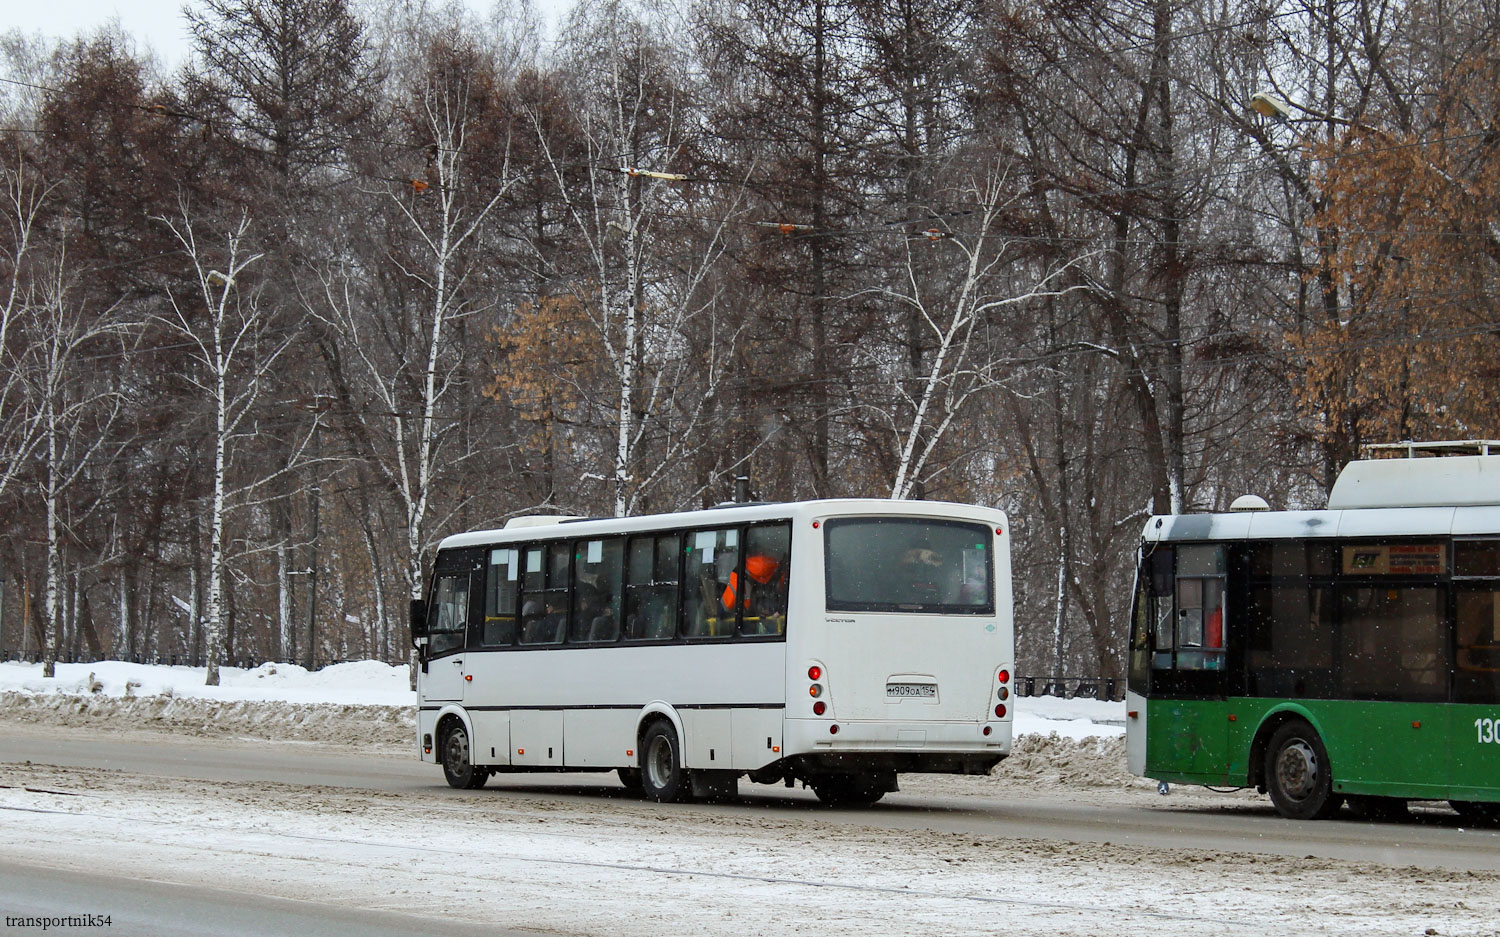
587	702
444	679
1135	734
491	736
1441	482
743	705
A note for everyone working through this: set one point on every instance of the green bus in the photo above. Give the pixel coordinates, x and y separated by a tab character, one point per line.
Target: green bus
1344	655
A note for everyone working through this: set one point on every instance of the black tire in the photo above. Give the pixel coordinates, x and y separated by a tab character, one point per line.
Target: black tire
1298	774
630	777
458	767
1378	809
846	790
1476	812
663	779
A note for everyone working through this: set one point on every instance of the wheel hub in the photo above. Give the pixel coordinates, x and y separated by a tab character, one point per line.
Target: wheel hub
456	753
1297	769
659	761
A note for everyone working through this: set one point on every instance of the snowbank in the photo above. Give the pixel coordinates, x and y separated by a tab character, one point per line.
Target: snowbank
360	703
361	683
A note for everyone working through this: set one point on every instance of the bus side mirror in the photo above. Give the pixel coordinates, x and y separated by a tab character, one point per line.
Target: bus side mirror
1162	570
418	620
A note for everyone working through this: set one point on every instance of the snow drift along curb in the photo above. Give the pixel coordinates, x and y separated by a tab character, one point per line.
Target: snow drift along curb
343	724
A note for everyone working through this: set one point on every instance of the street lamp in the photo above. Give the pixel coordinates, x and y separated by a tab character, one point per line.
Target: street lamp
1267	106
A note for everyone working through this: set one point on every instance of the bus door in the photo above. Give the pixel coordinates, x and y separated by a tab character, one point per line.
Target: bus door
448	616
1186	615
1475	753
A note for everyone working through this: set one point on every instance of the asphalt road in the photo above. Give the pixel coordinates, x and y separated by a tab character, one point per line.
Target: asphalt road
1431	839
37	899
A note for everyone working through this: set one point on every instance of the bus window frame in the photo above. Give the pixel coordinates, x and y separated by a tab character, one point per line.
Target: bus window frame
456	563
479	568
943	609
1179	682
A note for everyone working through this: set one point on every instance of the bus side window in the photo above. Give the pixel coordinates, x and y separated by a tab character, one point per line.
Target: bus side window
598	568
502	586
711	562
761	591
651	588
1161	576
1140	635
448	621
544	603
1200	608
1476	573
1477	679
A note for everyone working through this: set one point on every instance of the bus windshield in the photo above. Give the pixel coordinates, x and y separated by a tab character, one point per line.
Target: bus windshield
881	564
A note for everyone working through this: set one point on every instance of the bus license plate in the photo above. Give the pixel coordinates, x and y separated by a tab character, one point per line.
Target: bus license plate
911	690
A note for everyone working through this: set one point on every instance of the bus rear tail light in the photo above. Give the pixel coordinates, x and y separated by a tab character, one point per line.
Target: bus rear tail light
1004	676
815	674
1000	711
833	729
1004	693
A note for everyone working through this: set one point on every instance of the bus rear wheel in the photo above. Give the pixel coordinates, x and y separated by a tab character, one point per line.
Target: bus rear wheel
1298	775
847	790
663	779
458	768
1477	813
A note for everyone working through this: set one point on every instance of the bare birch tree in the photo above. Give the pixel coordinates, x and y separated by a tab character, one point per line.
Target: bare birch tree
73	407
639	301
953	310
20	425
228	330
408	362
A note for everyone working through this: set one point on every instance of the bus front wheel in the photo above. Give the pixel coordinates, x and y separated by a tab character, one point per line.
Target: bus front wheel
1298	775
663	779
458	767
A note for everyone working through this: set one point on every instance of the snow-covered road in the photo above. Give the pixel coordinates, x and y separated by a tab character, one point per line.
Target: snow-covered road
615	866
1009	854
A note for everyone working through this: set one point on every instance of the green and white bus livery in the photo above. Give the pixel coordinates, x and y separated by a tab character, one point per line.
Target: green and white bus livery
1349	654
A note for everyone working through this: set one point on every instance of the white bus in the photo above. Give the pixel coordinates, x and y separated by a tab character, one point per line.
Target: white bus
838	643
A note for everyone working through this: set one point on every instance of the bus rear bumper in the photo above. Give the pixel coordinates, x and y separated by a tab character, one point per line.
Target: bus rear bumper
921	741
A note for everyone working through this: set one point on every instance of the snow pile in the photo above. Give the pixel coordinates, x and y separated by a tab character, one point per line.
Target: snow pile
360	683
361	703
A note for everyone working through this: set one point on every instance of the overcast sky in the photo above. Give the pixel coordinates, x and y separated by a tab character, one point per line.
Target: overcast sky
157	23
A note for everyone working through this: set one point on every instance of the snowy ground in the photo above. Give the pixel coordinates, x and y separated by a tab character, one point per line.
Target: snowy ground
620	867
614	865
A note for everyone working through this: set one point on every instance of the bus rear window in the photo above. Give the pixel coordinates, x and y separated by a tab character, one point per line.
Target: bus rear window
908	565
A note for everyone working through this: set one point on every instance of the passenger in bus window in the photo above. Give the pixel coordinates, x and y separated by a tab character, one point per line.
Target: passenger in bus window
921	567
764	594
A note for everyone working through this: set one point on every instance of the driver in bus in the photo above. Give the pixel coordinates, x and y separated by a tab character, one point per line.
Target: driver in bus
764	598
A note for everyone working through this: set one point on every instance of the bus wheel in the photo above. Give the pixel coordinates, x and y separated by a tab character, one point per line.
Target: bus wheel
1298	775
630	777
846	790
663	778
1477	813
457	767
